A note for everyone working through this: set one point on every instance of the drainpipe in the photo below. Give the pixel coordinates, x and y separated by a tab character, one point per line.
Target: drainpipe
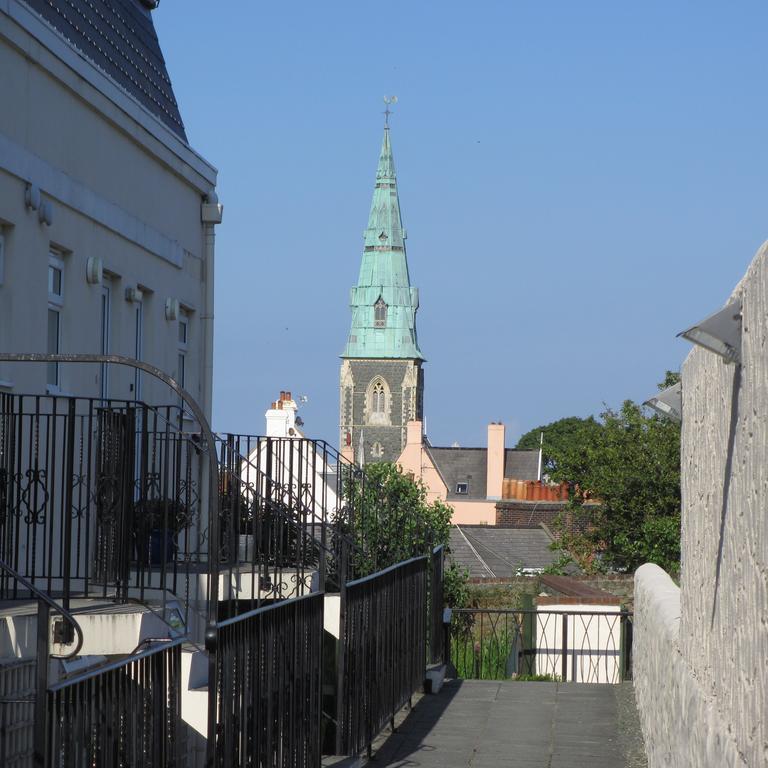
211	214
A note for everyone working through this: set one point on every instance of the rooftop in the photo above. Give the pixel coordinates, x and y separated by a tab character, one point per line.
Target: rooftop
118	37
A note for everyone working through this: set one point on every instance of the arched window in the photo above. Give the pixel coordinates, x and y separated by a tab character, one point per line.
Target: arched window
380	314
377	402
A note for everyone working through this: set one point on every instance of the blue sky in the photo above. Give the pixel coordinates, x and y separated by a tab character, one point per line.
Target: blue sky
579	181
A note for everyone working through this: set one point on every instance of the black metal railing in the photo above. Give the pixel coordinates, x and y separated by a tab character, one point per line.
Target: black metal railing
124	713
436	605
265	686
102	499
382	650
280	499
17	713
573	646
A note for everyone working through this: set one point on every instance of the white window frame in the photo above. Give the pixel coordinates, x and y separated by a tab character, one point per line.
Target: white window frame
182	359
55	304
138	346
105	328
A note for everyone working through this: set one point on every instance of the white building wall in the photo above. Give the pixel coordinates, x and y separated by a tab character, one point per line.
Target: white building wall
593	642
122	187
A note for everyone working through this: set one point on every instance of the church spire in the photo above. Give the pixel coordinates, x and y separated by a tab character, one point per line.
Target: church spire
383	302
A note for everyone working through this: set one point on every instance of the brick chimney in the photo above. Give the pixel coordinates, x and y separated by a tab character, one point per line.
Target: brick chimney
495	471
415	433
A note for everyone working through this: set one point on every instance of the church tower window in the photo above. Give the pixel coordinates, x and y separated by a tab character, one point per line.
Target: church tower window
380	314
378	402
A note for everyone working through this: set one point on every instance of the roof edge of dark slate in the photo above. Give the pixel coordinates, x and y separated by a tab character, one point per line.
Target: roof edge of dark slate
107	34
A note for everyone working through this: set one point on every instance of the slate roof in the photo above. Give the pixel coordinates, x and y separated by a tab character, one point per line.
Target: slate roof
462	465
470	466
504	550
118	37
521	465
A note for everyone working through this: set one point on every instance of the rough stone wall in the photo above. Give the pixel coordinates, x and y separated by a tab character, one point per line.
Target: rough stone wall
723	629
682	725
404	381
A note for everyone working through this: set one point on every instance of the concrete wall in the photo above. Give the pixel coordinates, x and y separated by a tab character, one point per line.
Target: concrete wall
122	189
723	628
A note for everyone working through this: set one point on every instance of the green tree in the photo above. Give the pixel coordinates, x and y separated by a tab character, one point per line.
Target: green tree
393	521
564	435
629	465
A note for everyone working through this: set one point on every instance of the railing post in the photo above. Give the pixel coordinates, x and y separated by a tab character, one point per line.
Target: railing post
564	650
40	759
68	480
341	650
211	646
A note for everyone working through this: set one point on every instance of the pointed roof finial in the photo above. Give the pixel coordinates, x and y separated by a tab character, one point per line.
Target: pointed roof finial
387	112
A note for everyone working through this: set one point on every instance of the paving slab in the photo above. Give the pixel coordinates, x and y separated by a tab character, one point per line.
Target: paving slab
484	724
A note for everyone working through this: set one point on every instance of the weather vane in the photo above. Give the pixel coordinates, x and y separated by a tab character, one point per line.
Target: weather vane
387	112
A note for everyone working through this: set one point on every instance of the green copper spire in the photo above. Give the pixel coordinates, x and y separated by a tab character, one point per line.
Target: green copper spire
383	302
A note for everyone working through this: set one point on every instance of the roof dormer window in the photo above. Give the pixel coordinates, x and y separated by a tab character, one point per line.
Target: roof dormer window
380	314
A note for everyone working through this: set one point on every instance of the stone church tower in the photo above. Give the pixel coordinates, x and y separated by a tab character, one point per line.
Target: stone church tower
382	381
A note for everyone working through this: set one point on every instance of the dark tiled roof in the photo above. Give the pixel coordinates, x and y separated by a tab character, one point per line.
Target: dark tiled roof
462	465
504	550
521	465
118	36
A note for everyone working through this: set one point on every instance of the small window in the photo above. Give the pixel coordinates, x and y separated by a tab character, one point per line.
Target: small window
462	488
377	450
380	314
183	327
55	305
55	280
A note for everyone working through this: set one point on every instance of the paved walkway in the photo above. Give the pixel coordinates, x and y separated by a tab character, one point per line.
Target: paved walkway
485	724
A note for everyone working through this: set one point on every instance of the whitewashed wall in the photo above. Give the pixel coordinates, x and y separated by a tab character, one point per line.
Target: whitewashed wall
122	188
723	629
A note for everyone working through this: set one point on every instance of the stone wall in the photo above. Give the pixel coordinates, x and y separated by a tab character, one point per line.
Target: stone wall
682	726
722	642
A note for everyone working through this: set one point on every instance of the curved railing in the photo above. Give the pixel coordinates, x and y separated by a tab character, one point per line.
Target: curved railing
50	603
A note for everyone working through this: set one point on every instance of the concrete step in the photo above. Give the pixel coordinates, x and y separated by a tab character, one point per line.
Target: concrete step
108	628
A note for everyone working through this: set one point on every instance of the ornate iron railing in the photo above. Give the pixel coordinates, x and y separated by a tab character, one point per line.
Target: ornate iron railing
280	500
101	499
265	686
436	605
575	646
382	650
124	713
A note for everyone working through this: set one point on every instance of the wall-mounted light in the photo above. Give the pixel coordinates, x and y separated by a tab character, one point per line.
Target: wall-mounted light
45	212
668	402
94	270
719	333
32	196
134	294
172	309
